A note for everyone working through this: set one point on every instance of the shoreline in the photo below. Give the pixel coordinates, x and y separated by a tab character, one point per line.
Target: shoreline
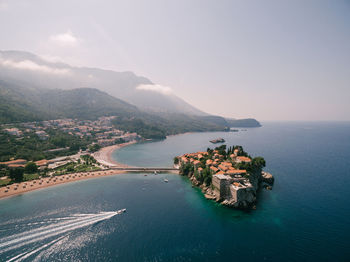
32	185
104	155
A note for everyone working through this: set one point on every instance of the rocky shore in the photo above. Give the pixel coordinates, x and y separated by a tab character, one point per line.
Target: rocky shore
228	176
248	200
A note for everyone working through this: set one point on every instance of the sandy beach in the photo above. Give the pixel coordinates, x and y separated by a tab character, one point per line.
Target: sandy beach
104	155
23	187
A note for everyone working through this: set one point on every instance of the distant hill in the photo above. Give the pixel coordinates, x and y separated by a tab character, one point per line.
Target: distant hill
31	70
20	104
32	88
26	104
248	122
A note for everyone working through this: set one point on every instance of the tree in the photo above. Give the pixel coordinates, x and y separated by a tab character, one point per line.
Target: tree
186	169
207	176
16	174
94	147
221	149
74	147
31	168
258	163
176	160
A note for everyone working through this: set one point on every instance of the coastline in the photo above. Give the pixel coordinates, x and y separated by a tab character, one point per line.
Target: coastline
103	156
24	187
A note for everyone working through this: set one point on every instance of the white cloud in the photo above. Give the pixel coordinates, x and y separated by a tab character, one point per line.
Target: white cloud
65	39
165	90
32	66
52	59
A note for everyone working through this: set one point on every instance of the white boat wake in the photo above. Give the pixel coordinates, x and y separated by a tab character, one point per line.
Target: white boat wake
63	225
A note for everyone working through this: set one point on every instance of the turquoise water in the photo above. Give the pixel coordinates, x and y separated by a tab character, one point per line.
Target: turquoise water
304	218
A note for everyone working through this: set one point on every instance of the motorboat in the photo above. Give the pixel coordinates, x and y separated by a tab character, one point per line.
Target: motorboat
121	211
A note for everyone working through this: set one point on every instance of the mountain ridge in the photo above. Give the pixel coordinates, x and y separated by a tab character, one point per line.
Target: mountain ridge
27	72
35	70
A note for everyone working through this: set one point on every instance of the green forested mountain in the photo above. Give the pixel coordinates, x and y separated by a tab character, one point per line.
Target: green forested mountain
32	88
128	86
21	104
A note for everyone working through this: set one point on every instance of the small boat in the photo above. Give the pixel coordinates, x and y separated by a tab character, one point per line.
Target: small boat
145	174
218	140
166	180
121	211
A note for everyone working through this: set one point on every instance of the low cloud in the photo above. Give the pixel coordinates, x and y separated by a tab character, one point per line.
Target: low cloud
52	59
165	90
65	39
32	66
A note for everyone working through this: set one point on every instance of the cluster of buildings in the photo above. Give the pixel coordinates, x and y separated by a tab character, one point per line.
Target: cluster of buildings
43	164
13	131
101	129
28	128
228	183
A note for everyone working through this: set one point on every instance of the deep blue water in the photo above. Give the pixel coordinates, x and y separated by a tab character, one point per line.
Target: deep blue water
304	218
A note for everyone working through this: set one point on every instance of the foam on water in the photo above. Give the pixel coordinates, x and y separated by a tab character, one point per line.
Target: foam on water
58	228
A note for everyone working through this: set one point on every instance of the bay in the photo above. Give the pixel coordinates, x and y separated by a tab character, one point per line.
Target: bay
304	217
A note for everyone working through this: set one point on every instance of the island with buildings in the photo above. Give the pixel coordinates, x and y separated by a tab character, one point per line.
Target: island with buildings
228	175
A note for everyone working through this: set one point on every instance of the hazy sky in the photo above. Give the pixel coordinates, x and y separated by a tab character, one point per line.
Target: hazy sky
271	60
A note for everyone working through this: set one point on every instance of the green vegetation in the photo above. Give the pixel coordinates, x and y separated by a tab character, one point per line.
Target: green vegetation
84	164
22	104
28	177
30	168
205	175
186	169
19	174
158	126
31	147
16	174
5	182
94	147
144	129
257	164
30	171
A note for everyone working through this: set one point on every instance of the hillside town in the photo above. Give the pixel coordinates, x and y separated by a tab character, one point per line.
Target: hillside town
58	147
101	129
228	176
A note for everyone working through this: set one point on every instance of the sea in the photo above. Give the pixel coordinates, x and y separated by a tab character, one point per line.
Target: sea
305	217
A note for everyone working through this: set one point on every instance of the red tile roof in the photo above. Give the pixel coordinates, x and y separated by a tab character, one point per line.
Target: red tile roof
243	159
